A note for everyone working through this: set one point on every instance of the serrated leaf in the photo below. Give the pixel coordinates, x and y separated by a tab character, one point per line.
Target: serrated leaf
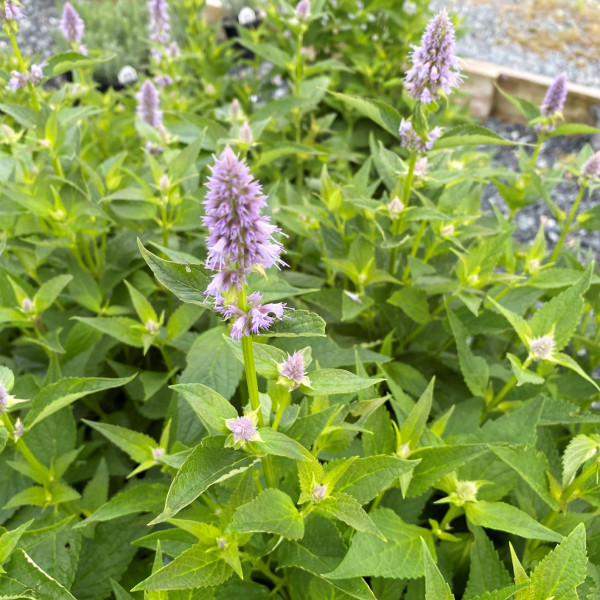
531	466
271	511
328	382
366	477
300	323
436	587
562	570
579	450
504	517
187	281
376	110
137	445
486	571
208	463
413	302
347	509
278	444
63	392
194	568
398	557
126	330
144	497
49	291
412	429
212	409
474	369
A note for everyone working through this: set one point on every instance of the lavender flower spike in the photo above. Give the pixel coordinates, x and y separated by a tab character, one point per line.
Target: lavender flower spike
434	66
303	10
159	21
11	12
412	141
71	24
591	167
555	97
239	236
148	107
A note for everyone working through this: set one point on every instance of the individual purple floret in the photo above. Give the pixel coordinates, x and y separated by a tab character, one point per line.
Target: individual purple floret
434	65
148	104
258	316
226	279
243	429
11	12
159	21
17	80
591	167
303	10
555	97
71	24
412	141
239	236
293	372
36	73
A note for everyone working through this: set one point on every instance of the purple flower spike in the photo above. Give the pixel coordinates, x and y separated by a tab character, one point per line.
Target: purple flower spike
11	12
555	97
412	141
434	64
243	430
159	21
591	167
303	10
71	24
292	371
17	80
36	73
238	235
258	316
148	101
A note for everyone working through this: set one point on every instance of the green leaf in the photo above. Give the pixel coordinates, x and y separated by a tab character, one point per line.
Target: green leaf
398	557
211	362
70	61
366	477
212	409
126	330
144	497
208	463
23	115
63	392
300	323
376	110
279	444
562	570
504	517
185	159
7	378
49	291
187	281
412	429
137	445
413	302
531	466
9	541
470	135
142	307
578	451
328	382
523	375
348	510
439	461
487	571
271	511
474	369
25	576
573	129
436	587
526	108
195	568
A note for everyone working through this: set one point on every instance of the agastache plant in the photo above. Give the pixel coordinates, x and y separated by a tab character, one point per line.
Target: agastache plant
159	26
148	104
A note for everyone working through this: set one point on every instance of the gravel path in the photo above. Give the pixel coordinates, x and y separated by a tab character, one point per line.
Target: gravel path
540	36
35	37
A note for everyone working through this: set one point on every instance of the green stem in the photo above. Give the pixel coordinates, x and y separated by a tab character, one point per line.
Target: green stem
579	481
537	149
452	512
567	225
405	199
507	387
13	41
250	369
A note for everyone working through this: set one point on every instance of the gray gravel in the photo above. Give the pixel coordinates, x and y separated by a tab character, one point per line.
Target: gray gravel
36	29
487	23
528	219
